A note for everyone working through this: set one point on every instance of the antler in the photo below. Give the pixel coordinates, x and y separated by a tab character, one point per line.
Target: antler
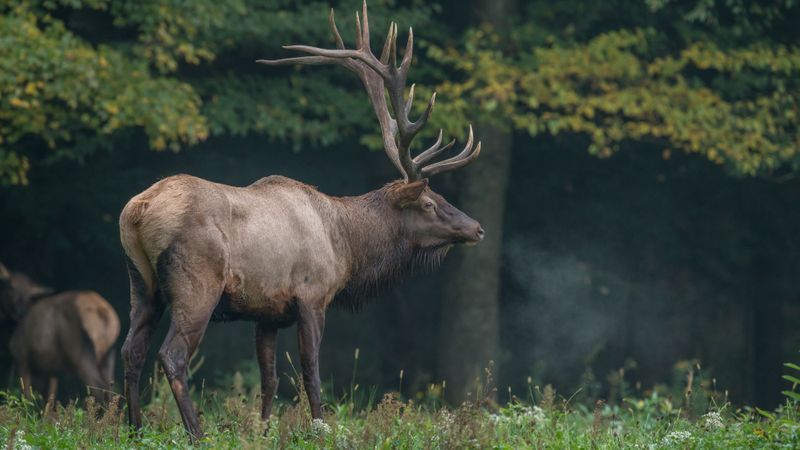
382	74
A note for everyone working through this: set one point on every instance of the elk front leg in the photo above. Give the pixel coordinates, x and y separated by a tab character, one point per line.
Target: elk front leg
266	342
310	325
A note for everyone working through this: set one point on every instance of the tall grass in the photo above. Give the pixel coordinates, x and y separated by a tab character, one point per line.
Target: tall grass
698	418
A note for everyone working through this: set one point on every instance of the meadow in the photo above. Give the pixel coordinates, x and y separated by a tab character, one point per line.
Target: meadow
691	416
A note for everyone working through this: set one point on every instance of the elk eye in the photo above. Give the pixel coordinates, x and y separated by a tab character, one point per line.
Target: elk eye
428	205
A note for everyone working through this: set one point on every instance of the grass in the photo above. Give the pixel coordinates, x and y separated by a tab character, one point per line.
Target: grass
544	420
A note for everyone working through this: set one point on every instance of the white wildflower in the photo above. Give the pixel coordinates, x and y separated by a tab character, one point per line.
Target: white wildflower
497	418
448	418
713	420
520	415
20	443
677	437
537	414
533	414
645	446
320	427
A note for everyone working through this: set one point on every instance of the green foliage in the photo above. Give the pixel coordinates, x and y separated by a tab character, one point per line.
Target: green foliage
77	72
58	91
67	90
792	377
736	106
233	422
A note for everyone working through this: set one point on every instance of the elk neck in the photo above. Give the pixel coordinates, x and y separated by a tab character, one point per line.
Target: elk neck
375	244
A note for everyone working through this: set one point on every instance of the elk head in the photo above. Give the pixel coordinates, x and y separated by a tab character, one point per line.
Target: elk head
17	291
425	215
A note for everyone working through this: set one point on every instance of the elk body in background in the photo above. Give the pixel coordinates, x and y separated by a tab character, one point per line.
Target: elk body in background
278	251
68	333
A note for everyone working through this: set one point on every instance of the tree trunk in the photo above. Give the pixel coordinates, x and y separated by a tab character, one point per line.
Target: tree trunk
471	294
471	291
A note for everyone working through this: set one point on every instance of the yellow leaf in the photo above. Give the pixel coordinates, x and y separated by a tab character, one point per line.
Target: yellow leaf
30	88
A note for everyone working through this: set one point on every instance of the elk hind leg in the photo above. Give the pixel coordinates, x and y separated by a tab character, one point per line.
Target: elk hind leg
180	344
107	367
191	278
90	374
146	311
193	298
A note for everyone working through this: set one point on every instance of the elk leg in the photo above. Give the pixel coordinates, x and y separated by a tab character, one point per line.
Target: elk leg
146	311
310	325
266	342
89	373
107	367
52	389
25	380
182	339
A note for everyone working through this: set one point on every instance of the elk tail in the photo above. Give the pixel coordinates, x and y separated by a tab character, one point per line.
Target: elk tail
142	274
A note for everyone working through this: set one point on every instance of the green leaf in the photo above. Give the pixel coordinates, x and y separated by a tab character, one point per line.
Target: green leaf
766	414
792	395
792	366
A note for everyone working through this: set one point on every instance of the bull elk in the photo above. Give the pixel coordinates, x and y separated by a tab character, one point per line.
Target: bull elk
278	251
71	332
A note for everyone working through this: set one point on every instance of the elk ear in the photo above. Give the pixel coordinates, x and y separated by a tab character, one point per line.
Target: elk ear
408	193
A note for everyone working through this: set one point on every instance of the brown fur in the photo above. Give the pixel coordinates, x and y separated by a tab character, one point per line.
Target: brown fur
275	252
71	333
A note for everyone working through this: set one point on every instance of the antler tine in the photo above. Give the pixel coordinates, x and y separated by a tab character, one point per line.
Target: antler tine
433	151
450	164
467	155
409	53
302	60
366	58
365	38
410	100
386	44
359	35
393	49
423	119
335	31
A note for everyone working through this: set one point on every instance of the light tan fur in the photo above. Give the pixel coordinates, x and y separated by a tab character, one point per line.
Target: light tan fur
277	246
138	222
99	321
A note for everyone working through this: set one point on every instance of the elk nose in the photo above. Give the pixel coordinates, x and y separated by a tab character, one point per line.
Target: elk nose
480	233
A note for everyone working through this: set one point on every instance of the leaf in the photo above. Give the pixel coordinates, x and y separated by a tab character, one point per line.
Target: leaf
792	395
766	414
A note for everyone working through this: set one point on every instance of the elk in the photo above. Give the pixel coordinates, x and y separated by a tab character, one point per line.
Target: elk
278	251
71	332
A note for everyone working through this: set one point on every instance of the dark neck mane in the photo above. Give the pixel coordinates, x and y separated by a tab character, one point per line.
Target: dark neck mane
378	247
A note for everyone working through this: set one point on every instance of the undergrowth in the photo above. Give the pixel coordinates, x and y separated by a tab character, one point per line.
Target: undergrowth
543	419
